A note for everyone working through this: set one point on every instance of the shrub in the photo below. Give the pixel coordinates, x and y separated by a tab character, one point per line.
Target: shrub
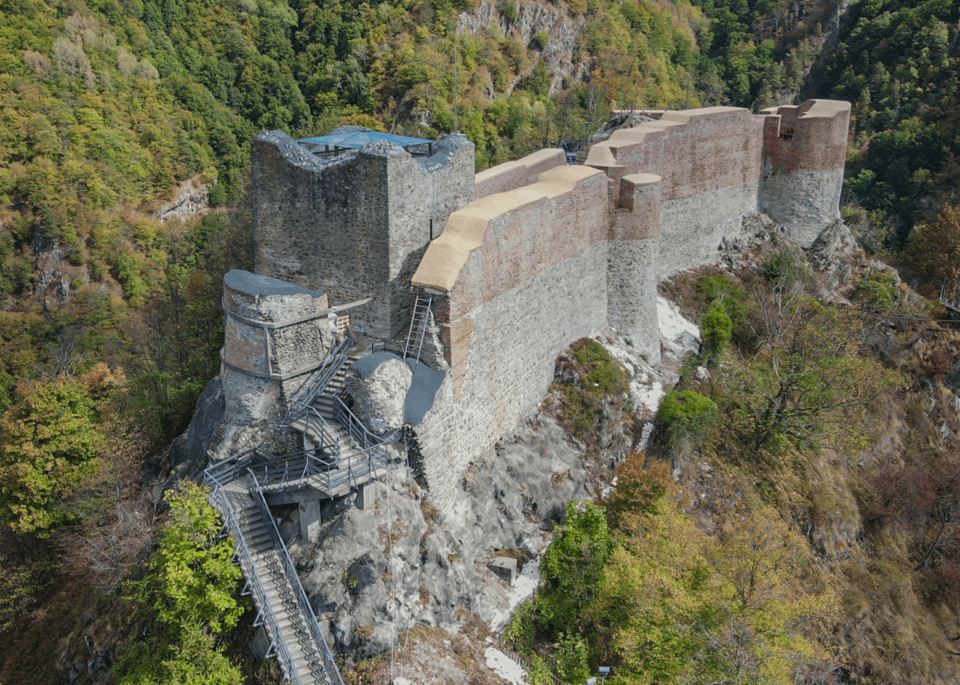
717	328
719	290
572	658
641	489
783	270
684	414
599	377
879	292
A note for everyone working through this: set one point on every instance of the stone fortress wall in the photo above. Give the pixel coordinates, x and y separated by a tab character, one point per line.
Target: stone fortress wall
356	225
708	161
804	152
546	253
516	276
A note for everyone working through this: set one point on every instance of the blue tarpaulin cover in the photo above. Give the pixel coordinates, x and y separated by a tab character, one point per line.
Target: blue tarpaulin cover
357	139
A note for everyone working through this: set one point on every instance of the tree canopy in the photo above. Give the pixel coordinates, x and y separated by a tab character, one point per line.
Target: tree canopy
49	442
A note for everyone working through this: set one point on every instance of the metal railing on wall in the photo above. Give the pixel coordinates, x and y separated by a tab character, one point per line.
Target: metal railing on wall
300	403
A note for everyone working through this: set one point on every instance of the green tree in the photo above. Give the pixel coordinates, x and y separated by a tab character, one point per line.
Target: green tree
50	442
717	329
572	566
194	660
812	376
192	588
676	605
192	579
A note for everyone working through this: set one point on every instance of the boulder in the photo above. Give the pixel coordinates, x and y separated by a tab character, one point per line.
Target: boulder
379	390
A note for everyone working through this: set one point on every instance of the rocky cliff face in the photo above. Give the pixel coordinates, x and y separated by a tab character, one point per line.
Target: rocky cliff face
374	574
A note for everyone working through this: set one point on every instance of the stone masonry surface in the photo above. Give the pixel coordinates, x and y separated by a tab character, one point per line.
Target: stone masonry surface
526	257
355	226
515	339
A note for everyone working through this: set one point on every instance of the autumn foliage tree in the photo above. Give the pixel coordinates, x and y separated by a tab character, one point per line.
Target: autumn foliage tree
661	600
923	499
50	442
809	378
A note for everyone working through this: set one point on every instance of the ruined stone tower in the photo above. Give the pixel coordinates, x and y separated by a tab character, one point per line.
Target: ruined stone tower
355	225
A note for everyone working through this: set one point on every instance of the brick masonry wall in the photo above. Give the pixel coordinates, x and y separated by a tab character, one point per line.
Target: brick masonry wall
349	225
519	244
694	151
805	150
518	173
709	161
534	283
514	341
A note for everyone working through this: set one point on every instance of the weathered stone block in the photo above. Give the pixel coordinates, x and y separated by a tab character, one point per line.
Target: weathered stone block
505	568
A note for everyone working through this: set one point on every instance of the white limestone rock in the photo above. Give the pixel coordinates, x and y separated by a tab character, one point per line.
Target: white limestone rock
379	397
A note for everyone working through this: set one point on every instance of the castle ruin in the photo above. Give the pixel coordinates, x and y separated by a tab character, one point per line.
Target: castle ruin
522	259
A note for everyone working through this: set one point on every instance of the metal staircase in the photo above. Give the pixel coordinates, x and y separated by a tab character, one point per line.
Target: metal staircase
340	454
282	605
284	608
419	323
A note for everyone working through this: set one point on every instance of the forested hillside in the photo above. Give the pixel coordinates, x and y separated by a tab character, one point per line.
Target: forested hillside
897	62
795	518
113	110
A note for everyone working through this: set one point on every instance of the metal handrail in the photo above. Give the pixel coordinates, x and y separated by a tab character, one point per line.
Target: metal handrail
355	427
224	472
323	467
255	583
328	441
386	346
288	468
320	380
329	665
